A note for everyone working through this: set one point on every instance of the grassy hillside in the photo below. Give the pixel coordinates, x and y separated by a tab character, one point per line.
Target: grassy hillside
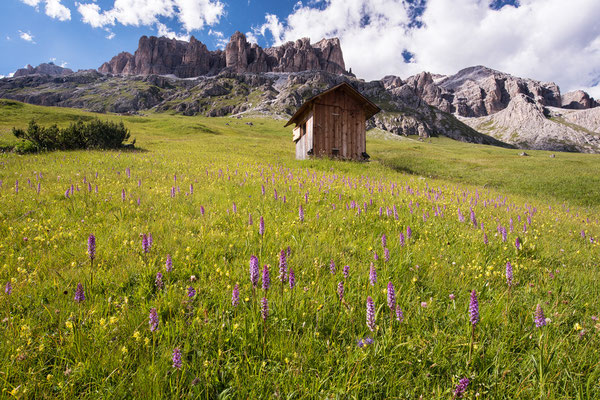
570	177
200	188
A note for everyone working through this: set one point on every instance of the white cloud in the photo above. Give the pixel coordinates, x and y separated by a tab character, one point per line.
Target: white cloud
192	14
251	37
163	30
220	40
92	15
64	64
217	34
26	36
32	3
110	35
54	8
550	40
276	28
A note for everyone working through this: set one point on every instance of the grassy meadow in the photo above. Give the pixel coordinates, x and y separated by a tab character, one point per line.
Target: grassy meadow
439	220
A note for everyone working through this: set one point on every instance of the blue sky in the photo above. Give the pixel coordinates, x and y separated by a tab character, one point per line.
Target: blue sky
82	46
548	40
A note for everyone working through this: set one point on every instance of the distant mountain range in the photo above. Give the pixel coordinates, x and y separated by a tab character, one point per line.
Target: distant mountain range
477	104
164	56
43	69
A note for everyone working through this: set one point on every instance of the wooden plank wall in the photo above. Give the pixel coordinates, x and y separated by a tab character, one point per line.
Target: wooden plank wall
309	133
300	144
305	143
339	123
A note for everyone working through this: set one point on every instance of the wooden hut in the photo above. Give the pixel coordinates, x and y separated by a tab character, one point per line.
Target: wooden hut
333	124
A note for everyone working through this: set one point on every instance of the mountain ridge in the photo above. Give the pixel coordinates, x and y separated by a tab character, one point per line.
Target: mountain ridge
477	104
164	56
519	111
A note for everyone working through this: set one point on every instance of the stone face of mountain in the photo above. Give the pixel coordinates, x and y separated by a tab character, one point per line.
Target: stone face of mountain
578	100
277	94
522	112
479	91
44	69
163	56
582	119
529	125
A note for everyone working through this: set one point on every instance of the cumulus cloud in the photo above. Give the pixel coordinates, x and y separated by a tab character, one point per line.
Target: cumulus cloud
276	28
163	30
220	40
32	3
26	36
192	14
54	8
551	40
251	37
214	33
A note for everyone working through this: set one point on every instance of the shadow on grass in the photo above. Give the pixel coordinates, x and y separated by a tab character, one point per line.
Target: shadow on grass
398	168
204	129
128	150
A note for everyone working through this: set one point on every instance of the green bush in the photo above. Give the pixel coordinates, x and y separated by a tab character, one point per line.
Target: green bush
94	134
25	147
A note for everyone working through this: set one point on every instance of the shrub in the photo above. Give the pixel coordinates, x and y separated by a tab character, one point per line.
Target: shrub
94	134
24	147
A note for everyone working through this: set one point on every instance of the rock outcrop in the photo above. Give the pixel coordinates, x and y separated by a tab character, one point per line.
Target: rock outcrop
479	91
578	100
584	120
522	112
276	94
43	69
163	56
528	125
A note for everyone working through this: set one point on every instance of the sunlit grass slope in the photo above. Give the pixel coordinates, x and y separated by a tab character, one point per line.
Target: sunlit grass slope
570	177
200	187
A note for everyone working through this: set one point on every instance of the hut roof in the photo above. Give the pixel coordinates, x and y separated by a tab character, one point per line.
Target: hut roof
369	107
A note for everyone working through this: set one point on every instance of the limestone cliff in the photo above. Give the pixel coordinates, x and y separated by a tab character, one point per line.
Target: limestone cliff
163	56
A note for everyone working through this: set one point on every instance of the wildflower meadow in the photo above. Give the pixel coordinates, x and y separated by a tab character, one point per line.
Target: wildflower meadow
211	264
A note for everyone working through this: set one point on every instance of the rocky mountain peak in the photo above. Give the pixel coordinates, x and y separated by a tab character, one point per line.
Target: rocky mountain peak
578	100
165	56
43	69
478	91
476	73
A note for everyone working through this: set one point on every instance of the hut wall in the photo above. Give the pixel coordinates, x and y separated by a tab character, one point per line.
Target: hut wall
300	146
305	143
339	126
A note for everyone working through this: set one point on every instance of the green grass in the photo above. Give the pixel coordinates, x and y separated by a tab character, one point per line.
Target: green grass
570	177
307	348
